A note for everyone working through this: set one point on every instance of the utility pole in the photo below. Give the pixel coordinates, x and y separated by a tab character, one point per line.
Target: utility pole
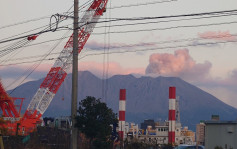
74	77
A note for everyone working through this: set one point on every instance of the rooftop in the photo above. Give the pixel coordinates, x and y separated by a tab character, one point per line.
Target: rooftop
220	122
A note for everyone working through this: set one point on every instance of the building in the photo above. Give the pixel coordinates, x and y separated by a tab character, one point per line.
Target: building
200	134
148	122
187	136
63	122
221	133
159	134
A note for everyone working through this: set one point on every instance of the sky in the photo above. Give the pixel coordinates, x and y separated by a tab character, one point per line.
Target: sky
185	47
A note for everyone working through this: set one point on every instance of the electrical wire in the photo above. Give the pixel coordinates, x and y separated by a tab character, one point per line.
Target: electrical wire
47	27
203	16
132	51
169	16
186	26
145	18
136	24
142	4
165	21
139	45
167	28
40	18
24	22
34	66
37	64
108	50
160	48
103	73
13	47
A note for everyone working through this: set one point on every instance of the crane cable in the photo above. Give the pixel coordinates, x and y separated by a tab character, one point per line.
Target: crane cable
33	68
47	29
107	67
37	64
103	70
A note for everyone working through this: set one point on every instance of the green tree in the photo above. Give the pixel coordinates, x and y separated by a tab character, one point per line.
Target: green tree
94	120
218	147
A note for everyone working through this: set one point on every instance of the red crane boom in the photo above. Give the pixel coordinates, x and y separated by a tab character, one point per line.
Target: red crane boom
57	73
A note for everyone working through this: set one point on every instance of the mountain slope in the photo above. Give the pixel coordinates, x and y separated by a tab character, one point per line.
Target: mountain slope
146	98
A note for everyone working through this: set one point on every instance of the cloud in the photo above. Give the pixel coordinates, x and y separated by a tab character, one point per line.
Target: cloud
218	36
205	44
231	80
94	45
113	68
180	64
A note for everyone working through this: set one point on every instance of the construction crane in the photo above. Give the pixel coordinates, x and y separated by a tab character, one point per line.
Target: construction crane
55	77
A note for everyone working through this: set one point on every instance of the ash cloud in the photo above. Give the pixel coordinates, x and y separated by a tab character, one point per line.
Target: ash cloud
180	64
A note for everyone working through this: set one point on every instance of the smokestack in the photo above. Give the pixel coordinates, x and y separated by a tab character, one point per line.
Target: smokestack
172	102
122	109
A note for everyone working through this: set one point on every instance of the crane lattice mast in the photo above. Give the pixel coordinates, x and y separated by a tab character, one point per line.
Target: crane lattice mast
55	77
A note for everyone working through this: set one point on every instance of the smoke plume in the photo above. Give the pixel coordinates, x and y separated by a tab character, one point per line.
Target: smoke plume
180	64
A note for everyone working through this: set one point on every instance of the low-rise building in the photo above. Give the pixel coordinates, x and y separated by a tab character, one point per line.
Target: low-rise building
221	133
159	134
187	136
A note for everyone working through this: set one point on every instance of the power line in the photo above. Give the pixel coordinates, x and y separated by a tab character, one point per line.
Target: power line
160	48
139	24
47	29
33	34
165	21
132	51
162	21
227	12
145	18
171	16
41	18
39	43
31	57
167	28
142	4
141	44
27	21
37	65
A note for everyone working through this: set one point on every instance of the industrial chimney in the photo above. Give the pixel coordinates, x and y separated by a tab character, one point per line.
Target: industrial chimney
122	109
172	102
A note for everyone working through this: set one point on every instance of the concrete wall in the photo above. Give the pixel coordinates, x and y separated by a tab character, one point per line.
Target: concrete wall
221	134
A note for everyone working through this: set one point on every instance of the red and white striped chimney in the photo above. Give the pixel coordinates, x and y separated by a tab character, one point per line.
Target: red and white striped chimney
122	109
172	96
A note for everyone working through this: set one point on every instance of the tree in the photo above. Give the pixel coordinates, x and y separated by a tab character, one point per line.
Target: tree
218	147
94	120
